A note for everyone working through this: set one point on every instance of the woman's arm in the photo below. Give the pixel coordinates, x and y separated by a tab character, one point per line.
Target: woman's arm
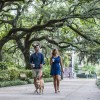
50	60
61	64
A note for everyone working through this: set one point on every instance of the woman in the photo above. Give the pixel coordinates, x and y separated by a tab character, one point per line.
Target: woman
56	62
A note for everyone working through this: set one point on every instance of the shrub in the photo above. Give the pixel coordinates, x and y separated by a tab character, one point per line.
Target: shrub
82	75
31	81
9	65
3	66
4	75
20	82
27	72
98	83
46	71
12	83
19	66
14	74
48	79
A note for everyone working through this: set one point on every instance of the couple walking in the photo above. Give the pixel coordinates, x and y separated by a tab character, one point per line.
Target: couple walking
37	61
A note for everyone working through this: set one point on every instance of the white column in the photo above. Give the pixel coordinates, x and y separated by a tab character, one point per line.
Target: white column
73	64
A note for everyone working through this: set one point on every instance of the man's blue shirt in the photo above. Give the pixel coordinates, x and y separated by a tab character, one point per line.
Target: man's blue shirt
37	59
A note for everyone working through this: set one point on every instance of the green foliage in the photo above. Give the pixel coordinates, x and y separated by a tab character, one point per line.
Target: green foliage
48	79
76	68
12	83
66	60
98	71
27	72
39	13
90	69
9	65
30	81
98	83
20	82
4	75
82	75
14	74
3	66
46	71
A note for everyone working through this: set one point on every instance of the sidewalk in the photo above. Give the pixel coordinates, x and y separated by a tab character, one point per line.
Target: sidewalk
71	89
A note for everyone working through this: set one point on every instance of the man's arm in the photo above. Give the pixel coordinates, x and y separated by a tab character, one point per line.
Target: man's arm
31	59
42	60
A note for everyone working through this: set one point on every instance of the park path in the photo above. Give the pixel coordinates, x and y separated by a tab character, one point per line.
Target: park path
71	89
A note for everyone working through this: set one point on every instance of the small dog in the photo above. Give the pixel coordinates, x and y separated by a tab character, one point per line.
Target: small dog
39	86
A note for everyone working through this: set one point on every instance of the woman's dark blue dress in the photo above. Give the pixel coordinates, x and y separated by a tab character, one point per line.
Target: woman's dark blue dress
55	67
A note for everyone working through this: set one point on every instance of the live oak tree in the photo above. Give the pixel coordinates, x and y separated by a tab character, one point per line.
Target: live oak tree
64	23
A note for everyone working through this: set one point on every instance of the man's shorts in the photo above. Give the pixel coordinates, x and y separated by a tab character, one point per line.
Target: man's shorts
36	72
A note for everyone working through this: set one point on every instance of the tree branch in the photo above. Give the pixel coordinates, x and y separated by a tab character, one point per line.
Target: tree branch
82	35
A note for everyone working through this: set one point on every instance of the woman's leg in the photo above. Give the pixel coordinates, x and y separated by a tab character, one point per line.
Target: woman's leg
58	82
55	83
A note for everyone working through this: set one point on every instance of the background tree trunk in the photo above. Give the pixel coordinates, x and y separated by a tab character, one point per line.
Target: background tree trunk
25	49
0	53
1	46
26	58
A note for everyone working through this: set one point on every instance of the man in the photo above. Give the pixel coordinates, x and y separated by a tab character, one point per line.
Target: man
36	61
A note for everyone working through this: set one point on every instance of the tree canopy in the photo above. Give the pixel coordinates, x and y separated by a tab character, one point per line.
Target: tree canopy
67	24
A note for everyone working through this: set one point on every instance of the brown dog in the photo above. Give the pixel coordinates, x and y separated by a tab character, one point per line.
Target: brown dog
39	86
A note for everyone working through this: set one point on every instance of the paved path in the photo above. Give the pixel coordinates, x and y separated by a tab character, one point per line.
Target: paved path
71	89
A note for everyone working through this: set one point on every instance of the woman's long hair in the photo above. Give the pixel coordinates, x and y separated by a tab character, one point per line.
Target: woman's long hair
56	51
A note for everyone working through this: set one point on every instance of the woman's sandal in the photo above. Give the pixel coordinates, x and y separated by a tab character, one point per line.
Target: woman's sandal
56	91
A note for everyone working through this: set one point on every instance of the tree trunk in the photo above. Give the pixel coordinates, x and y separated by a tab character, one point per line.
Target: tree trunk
0	53
26	58
2	42
1	46
25	51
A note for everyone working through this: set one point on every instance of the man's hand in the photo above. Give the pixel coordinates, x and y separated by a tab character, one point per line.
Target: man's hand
32	65
41	65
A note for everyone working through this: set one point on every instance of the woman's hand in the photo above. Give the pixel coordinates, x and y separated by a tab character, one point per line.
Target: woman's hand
62	70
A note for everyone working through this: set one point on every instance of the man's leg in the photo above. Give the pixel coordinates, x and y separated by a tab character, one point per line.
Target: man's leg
39	74
39	77
35	78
